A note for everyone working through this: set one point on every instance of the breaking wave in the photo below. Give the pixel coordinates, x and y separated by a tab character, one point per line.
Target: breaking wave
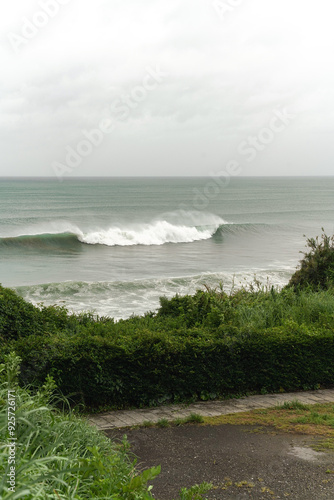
121	299
156	232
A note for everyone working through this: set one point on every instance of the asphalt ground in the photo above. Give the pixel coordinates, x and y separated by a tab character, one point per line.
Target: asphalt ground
240	461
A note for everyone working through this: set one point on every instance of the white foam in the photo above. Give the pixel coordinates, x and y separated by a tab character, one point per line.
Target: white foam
120	300
172	227
155	233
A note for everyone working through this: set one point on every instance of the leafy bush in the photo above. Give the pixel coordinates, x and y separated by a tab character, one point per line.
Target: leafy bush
317	267
17	317
60	456
153	368
196	347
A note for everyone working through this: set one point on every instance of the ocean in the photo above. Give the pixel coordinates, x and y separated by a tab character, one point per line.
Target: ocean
113	246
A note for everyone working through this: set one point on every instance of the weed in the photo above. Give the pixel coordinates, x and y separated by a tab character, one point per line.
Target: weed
244	484
292	405
194	418
324	445
147	423
195	492
317	418
163	422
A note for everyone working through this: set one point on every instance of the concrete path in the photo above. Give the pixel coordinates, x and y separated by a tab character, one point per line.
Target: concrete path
130	418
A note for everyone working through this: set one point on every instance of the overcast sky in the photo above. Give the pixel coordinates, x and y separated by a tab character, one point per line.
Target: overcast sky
166	87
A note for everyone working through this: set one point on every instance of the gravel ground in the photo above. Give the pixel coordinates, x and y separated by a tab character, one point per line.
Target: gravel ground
240	461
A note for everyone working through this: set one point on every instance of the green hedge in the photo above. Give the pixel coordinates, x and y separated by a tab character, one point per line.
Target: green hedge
155	368
196	347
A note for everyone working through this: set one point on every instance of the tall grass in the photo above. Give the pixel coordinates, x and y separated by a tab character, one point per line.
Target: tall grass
256	308
271	309
59	456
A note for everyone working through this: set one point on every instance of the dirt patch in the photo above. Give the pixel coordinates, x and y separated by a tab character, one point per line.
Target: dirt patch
239	462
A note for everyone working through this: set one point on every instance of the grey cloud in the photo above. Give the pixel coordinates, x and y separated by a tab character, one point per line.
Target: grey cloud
225	78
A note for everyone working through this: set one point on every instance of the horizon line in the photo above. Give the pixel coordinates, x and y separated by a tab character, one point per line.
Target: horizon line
158	177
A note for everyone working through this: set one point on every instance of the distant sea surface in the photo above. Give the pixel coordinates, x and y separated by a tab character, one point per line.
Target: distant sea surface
114	246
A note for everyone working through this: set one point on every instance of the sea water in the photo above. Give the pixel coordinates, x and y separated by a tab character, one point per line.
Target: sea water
115	245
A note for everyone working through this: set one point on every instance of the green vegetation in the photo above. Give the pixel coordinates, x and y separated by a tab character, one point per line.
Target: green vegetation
195	492
200	347
210	345
193	418
292	405
163	422
317	418
317	267
59	456
293	417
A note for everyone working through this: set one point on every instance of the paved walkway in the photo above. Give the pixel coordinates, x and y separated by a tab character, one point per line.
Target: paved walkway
130	418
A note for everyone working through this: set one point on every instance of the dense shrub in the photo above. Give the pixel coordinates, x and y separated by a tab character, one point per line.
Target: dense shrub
17	317
317	267
59	456
154	367
196	347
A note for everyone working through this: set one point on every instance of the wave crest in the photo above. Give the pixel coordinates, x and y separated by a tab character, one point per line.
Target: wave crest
185	230
156	233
